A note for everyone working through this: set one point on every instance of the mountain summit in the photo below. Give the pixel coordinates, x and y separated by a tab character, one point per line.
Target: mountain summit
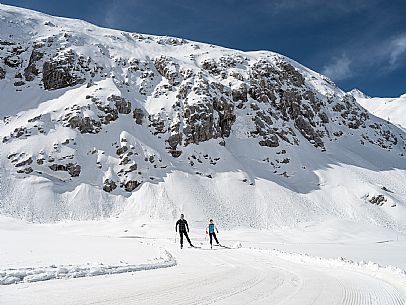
97	122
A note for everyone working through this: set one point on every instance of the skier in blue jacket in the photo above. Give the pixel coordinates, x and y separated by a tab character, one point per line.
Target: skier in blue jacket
211	228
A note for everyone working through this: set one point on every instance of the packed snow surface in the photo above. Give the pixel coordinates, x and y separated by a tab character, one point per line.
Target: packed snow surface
254	269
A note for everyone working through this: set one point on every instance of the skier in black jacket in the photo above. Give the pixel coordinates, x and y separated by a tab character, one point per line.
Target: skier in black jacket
183	230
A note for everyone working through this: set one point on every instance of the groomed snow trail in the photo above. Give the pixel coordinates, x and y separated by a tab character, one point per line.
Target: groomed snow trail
219	276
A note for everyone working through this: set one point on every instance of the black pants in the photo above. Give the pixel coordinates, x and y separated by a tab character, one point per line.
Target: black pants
181	233
211	235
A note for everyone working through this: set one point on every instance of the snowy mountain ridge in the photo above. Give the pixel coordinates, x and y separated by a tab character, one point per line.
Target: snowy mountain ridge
98	122
356	93
390	109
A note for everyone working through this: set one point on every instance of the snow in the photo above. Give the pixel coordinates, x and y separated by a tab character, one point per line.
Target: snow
27	245
302	231
249	184
32	253
389	109
255	269
29	275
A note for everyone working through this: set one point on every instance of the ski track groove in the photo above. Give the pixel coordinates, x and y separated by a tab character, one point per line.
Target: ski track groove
365	295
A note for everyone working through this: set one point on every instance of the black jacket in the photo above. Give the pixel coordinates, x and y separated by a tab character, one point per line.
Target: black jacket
183	226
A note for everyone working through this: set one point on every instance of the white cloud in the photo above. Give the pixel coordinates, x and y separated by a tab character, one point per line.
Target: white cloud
377	57
397	48
117	11
339	68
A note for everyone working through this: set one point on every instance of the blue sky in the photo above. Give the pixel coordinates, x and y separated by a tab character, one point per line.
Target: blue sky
357	43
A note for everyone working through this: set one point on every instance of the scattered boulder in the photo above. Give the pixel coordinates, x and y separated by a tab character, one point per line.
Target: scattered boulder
378	200
138	115
121	150
123	106
175	153
19	83
72	169
211	66
174	140
12	61
271	141
84	124
131	185
27	170
133	167
2	73
109	185
25	162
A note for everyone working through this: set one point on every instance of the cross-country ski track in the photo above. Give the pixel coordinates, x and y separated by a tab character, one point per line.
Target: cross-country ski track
224	276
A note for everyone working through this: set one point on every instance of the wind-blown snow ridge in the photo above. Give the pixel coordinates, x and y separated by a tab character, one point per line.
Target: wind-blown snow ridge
28	275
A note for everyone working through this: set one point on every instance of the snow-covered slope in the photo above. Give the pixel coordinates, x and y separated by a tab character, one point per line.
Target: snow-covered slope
97	122
390	109
358	94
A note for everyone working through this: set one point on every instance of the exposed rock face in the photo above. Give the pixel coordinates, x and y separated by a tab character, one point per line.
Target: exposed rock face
138	115
25	162
240	94
121	150
12	61
109	185
2	73
131	185
84	124
123	106
72	169
32	71
355	117
268	84
271	141
210	118
58	73
184	98
378	200
168	69
27	170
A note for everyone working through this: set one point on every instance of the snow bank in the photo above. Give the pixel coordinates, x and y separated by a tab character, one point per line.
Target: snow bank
336	262
28	275
393	275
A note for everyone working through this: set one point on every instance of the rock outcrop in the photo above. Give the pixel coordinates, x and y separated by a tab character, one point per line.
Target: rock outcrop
136	107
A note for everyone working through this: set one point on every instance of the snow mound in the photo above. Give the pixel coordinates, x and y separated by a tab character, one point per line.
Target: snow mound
337	262
36	274
391	274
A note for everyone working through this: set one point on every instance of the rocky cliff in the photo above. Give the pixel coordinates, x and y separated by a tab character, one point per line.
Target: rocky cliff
115	111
